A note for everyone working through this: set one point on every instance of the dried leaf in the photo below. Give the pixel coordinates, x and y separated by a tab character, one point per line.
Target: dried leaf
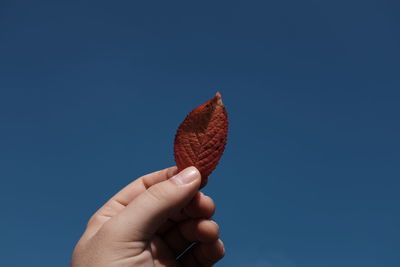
201	138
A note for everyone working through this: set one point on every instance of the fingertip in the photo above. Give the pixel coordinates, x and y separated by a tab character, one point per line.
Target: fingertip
221	247
201	206
210	204
210	229
187	176
204	254
204	231
158	176
171	171
213	251
209	253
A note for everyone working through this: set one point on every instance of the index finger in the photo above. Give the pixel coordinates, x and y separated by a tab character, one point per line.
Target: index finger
132	190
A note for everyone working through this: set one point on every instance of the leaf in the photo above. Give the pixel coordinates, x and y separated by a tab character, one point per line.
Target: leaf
201	138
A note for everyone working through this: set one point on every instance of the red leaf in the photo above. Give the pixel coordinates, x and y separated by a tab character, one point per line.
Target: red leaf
201	138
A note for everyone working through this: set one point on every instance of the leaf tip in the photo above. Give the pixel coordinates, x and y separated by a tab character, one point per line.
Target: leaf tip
219	98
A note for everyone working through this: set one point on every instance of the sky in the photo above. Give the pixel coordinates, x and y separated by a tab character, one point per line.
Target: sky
91	94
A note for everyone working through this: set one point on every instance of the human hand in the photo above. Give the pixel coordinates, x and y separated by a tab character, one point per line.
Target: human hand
150	223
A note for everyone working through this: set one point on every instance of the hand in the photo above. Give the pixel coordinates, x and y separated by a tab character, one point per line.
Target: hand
150	223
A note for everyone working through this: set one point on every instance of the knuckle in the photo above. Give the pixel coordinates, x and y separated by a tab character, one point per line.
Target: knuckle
107	229
93	220
158	193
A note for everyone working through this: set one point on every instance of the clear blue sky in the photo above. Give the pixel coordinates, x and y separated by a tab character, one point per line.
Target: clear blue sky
91	93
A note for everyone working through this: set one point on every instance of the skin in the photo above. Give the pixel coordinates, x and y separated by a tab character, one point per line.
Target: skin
151	222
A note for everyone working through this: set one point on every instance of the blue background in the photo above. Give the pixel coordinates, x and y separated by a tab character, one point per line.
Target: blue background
91	93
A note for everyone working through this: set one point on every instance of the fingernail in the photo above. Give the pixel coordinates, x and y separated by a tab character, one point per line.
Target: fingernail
186	176
222	246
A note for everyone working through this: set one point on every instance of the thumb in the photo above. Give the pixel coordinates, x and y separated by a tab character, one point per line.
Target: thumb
148	211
